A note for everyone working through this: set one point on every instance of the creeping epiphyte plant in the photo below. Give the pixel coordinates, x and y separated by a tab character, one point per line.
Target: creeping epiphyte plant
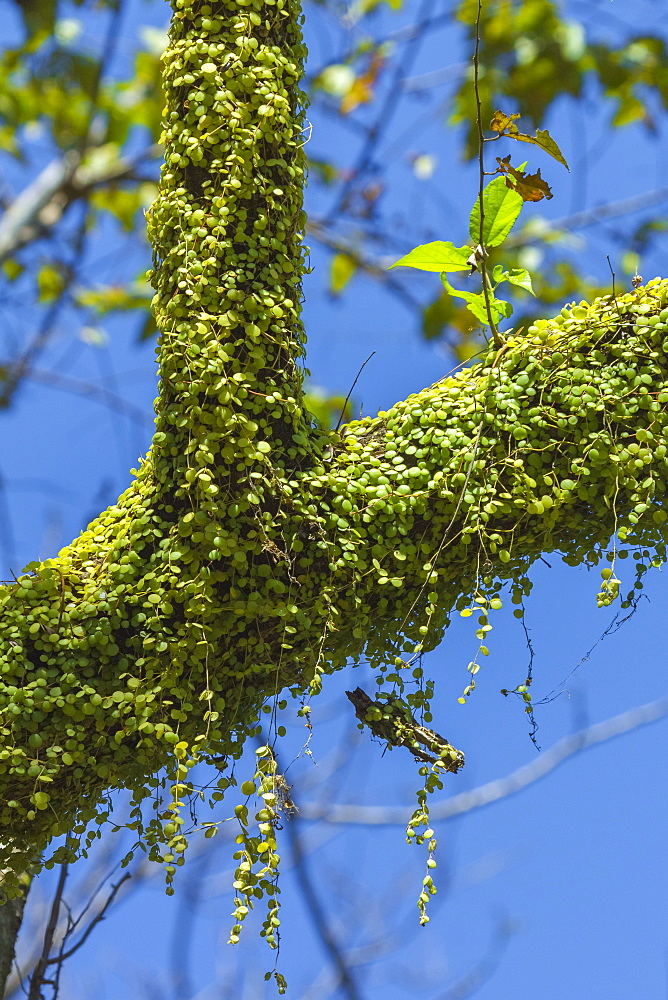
255	553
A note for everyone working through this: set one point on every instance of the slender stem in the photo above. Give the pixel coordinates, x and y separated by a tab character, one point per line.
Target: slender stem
384	117
481	178
350	391
60	958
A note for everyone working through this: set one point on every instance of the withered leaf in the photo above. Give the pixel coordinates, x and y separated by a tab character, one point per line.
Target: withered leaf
505	125
502	122
531	187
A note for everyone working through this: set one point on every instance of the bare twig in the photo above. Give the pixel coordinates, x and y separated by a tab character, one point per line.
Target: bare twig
86	895
17	370
483	970
610	210
80	387
350	392
91	135
40	205
43	203
347	983
61	957
374	268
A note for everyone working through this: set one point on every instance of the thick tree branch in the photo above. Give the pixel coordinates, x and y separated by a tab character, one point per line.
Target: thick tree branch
253	551
37	978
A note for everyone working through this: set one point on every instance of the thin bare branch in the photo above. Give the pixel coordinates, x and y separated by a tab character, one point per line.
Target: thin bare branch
374	268
96	920
386	109
501	788
80	387
347	983
483	970
40	206
610	210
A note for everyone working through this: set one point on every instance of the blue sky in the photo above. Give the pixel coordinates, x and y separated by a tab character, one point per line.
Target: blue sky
571	874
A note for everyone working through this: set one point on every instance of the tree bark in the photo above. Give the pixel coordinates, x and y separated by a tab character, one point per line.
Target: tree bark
11	916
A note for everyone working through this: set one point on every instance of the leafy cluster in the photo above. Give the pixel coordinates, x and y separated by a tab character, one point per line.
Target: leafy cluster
495	212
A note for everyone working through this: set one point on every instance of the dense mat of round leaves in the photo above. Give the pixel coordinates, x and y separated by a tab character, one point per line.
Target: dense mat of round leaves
253	552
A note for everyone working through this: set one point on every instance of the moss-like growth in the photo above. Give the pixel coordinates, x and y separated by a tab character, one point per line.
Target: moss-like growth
252	551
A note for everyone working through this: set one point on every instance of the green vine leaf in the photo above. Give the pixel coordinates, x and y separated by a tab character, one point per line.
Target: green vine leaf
501	207
546	143
520	276
438	256
475	302
516	276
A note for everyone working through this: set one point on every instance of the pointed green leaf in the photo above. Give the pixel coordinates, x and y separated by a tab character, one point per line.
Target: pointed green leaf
437	256
521	277
544	140
475	302
501	207
516	276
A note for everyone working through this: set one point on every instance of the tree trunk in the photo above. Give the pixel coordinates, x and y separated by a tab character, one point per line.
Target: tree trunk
11	915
